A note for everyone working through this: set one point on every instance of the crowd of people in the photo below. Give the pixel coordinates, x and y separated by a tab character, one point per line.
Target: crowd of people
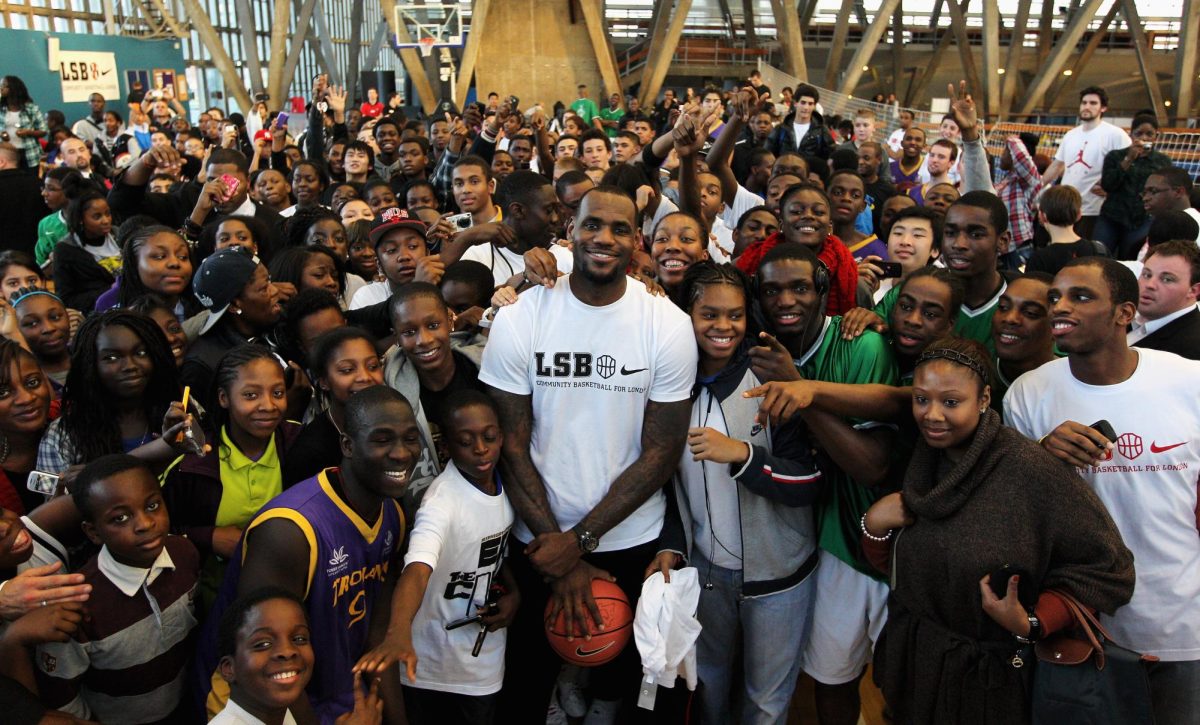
277	412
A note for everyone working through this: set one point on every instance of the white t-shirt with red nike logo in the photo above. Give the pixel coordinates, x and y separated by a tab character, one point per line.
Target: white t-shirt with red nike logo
1148	484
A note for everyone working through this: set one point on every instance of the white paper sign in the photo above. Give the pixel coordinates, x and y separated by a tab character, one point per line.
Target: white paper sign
84	73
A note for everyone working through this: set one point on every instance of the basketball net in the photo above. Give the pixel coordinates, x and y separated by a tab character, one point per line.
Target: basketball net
426	45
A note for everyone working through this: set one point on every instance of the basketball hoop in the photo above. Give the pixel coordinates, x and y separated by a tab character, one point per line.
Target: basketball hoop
425	45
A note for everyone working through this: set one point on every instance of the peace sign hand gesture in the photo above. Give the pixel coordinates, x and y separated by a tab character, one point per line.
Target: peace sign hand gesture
962	107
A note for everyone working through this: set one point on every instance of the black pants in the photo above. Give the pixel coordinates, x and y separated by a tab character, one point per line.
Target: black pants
531	667
448	708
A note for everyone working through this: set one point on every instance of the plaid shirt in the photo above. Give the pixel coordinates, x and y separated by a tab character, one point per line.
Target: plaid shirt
30	118
1019	190
56	452
442	176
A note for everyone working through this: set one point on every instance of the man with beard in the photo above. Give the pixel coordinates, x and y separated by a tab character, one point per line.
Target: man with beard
1080	157
588	498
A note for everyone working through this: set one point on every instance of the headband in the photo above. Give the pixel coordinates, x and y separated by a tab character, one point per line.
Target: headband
23	294
945	353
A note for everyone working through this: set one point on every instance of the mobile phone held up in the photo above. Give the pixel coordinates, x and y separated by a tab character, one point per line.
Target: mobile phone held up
231	183
891	270
42	482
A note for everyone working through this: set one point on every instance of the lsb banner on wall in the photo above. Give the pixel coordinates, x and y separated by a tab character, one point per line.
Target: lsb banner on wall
84	73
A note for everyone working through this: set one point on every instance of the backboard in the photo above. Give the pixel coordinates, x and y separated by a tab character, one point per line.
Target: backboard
429	26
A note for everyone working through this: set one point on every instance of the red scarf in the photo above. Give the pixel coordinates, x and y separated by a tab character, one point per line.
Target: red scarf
843	270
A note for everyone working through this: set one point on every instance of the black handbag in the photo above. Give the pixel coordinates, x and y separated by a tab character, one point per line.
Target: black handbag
1083	678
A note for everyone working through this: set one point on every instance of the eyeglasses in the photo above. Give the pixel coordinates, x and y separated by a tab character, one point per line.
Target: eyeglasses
1155	190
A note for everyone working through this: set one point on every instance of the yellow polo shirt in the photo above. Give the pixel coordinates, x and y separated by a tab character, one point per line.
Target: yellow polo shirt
246	484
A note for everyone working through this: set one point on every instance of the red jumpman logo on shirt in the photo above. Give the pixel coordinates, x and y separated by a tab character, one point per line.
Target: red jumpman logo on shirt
1079	158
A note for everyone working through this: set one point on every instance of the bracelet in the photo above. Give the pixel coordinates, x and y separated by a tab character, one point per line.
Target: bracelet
869	535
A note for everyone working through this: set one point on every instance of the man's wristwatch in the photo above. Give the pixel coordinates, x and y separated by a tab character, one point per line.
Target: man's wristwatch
587	540
1035	630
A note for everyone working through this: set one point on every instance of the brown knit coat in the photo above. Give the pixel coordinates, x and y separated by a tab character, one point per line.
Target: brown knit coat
941	658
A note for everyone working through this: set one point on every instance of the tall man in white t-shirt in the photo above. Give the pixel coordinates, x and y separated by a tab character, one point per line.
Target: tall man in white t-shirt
1147	478
593	378
1080	157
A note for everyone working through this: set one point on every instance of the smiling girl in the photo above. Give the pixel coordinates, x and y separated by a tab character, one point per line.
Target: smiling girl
805	219
743	496
215	496
118	396
343	362
979	498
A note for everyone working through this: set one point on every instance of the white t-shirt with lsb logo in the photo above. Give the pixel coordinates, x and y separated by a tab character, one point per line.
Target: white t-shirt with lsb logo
591	371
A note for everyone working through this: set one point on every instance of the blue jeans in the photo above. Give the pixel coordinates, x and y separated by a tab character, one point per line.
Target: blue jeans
770	630
1175	692
1123	243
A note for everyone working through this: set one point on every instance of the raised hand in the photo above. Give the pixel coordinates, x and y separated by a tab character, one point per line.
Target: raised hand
336	98
962	107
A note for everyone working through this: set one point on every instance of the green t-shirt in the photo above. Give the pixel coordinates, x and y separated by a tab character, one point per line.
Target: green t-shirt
612	114
865	359
51	230
586	109
973	324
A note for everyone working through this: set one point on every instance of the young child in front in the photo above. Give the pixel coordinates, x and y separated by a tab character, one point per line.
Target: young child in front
267	659
126	661
451	568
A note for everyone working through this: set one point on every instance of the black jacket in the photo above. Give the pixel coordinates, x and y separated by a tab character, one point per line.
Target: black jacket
21	208
1180	336
78	278
817	142
172	209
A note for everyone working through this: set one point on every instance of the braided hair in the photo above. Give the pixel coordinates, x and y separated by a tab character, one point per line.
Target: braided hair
130	285
231	365
961	351
87	411
303	220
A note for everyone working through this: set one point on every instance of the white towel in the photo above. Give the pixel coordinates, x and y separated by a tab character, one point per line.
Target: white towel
665	629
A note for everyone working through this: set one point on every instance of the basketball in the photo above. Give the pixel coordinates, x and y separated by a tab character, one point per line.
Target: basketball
608	641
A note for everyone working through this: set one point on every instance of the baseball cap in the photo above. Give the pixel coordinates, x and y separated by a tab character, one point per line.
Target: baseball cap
394	218
221	278
261	134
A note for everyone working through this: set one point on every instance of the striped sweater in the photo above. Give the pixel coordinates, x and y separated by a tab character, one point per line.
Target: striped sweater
127	661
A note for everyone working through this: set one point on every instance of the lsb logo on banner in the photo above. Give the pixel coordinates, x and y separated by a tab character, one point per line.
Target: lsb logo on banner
84	73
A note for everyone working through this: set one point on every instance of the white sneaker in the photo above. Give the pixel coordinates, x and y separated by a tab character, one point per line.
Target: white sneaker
571	697
602	712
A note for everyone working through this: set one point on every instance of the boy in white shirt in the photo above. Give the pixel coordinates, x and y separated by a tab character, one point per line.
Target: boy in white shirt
453	596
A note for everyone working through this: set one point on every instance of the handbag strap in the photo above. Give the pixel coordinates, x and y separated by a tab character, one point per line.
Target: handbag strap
1087	623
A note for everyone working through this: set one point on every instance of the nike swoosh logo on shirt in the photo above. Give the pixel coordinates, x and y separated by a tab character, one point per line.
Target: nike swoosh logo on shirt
631	372
1155	448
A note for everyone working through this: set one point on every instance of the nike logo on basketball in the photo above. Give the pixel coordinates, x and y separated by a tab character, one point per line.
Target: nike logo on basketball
631	372
581	652
1155	448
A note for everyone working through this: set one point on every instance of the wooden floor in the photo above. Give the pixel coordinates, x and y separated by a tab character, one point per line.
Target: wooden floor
803	711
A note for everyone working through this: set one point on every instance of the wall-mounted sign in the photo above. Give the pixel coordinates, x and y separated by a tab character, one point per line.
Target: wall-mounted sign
84	73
